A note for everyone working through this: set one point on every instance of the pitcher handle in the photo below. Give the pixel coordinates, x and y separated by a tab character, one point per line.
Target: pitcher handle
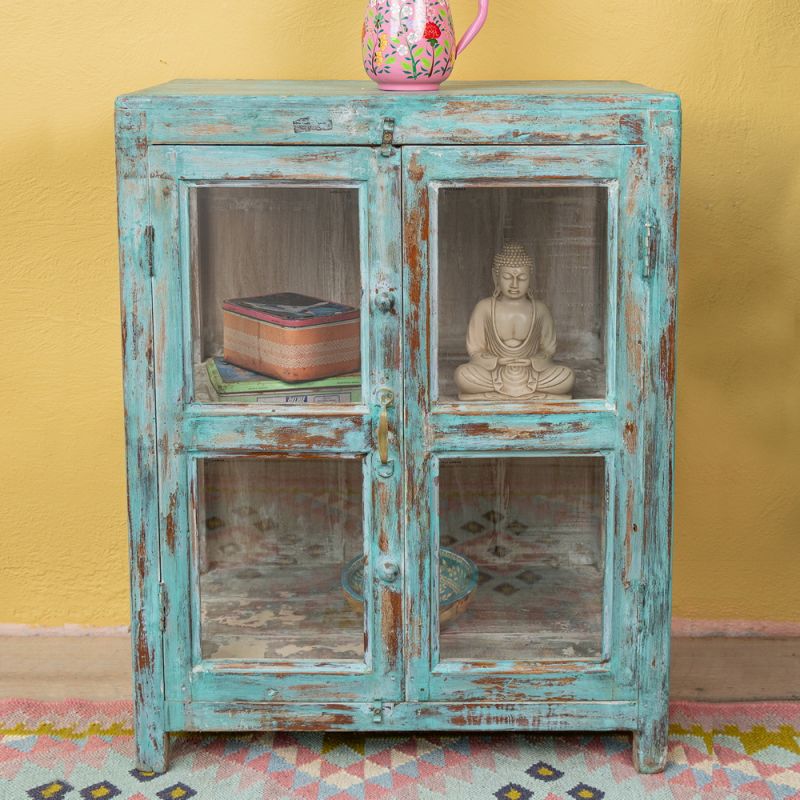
472	31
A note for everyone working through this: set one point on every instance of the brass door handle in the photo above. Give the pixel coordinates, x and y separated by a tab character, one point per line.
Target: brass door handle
385	398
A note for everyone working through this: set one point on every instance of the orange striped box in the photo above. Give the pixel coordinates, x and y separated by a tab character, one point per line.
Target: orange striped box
291	337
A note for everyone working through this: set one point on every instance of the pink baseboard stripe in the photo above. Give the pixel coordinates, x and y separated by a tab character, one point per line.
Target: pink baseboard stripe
15	629
767	629
681	627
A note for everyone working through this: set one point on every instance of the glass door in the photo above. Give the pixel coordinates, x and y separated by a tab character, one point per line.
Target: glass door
524	310
279	392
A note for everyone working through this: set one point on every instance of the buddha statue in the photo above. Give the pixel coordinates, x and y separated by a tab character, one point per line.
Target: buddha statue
511	340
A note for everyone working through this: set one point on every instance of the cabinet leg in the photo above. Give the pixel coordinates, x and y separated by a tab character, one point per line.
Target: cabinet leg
152	750
650	746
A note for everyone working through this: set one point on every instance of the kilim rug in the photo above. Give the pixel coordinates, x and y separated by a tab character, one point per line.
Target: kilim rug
78	749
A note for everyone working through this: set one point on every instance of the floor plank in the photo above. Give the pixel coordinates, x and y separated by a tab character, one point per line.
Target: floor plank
735	669
58	667
99	668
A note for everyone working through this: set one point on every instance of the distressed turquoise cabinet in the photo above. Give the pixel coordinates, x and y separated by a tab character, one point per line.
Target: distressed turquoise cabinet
383	550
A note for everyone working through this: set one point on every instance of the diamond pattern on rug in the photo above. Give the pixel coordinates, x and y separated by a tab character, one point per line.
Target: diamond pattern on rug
179	791
584	792
513	792
100	791
716	751
544	772
52	790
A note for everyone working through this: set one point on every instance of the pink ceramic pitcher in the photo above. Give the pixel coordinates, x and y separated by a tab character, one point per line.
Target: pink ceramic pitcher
410	45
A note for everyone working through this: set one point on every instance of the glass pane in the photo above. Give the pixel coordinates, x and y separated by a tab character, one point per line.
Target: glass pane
522	293
534	530
273	538
276	295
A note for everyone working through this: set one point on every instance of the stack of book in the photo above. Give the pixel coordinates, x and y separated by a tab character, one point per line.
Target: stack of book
291	337
232	384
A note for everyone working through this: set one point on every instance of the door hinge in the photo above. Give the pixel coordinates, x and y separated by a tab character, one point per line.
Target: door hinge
162	601
651	244
149	237
640	601
387	139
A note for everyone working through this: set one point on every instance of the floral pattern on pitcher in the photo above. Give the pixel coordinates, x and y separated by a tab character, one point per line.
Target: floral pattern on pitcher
408	42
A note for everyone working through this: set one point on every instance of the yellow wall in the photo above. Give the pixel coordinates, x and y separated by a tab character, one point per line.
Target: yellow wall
736	65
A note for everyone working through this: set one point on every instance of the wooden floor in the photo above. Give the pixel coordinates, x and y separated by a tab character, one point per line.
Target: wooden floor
98	668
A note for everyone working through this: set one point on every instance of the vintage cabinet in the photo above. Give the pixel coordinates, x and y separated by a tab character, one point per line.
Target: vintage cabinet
551	519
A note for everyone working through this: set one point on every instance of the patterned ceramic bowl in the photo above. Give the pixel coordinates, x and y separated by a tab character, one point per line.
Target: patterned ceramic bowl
458	579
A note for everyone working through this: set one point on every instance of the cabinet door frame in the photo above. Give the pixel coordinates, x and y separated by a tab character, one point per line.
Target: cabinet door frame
188	431
612	427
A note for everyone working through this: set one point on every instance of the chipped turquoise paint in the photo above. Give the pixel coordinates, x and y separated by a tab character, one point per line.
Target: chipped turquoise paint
140	436
188	433
624	136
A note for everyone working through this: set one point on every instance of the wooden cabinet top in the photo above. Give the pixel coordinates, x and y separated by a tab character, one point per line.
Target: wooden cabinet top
353	112
617	93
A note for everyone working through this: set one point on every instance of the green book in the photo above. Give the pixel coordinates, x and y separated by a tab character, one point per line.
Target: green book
228	379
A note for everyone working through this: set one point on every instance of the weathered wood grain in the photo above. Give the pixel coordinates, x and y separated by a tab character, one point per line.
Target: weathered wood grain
354	716
339	112
140	437
570	428
508	432
650	745
184	150
190	431
310	430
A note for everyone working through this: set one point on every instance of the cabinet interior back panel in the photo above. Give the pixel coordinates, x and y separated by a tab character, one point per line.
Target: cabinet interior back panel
535	528
252	240
564	229
273	537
